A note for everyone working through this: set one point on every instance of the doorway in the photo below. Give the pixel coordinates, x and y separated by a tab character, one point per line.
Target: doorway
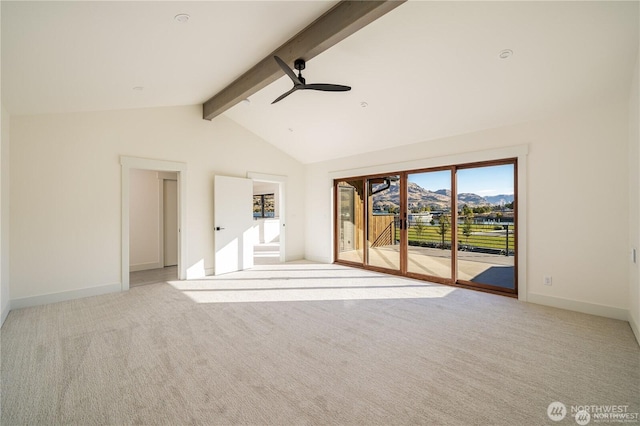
177	171
153	226
383	222
269	215
454	225
266	218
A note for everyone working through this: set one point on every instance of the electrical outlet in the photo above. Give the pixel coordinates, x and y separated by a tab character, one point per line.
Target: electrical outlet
547	280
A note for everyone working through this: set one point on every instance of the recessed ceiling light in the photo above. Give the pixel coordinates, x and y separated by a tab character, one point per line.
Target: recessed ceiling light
364	104
138	88
506	53
290	129
182	18
246	102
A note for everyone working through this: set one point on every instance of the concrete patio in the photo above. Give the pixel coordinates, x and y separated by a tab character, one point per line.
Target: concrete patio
497	270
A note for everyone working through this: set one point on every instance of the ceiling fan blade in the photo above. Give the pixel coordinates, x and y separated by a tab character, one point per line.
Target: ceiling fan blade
327	87
287	70
284	95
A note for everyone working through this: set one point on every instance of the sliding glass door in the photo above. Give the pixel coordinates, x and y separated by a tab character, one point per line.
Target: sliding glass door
383	222
487	226
454	225
429	224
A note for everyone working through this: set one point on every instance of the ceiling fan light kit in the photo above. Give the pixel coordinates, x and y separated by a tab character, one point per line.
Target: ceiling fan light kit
299	83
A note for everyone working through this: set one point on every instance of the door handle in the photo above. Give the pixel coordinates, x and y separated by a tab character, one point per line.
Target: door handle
219	228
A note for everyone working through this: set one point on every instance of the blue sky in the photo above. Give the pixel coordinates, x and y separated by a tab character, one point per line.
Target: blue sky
493	180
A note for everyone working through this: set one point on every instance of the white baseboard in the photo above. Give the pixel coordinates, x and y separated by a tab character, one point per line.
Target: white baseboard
145	266
209	271
634	327
44	299
584	307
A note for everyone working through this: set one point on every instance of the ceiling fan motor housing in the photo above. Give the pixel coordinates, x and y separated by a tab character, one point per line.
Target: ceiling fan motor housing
299	64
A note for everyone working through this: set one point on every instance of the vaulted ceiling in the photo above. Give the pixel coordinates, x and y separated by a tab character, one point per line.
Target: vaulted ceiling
424	70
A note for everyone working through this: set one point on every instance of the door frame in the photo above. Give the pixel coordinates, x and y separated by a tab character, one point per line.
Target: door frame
163	177
516	221
127	163
519	152
403	251
453	187
282	183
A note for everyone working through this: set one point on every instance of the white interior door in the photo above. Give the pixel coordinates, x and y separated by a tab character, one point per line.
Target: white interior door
233	218
170	219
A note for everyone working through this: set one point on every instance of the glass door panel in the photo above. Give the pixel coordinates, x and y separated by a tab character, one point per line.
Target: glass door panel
429	223
350	221
383	218
486	226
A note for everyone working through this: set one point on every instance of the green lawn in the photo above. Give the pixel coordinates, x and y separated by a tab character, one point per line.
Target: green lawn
429	234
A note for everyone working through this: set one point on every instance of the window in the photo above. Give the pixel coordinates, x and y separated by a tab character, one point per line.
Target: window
264	206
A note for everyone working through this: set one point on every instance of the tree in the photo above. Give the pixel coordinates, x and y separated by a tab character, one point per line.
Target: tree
443	226
467	218
481	209
419	225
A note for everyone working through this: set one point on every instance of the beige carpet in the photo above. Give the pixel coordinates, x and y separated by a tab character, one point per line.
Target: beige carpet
389	351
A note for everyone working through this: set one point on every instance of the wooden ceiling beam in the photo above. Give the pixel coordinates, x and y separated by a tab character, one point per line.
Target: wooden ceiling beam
344	19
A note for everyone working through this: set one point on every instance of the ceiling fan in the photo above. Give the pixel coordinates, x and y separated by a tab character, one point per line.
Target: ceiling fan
299	83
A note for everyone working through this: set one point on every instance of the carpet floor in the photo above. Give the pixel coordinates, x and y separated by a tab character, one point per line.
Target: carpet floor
302	343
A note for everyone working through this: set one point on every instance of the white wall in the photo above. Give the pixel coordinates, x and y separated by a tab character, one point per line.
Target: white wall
144	220
5	300
4	216
65	192
634	200
577	206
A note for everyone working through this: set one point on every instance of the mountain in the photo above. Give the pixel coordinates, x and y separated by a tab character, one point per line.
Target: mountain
499	199
472	200
419	197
